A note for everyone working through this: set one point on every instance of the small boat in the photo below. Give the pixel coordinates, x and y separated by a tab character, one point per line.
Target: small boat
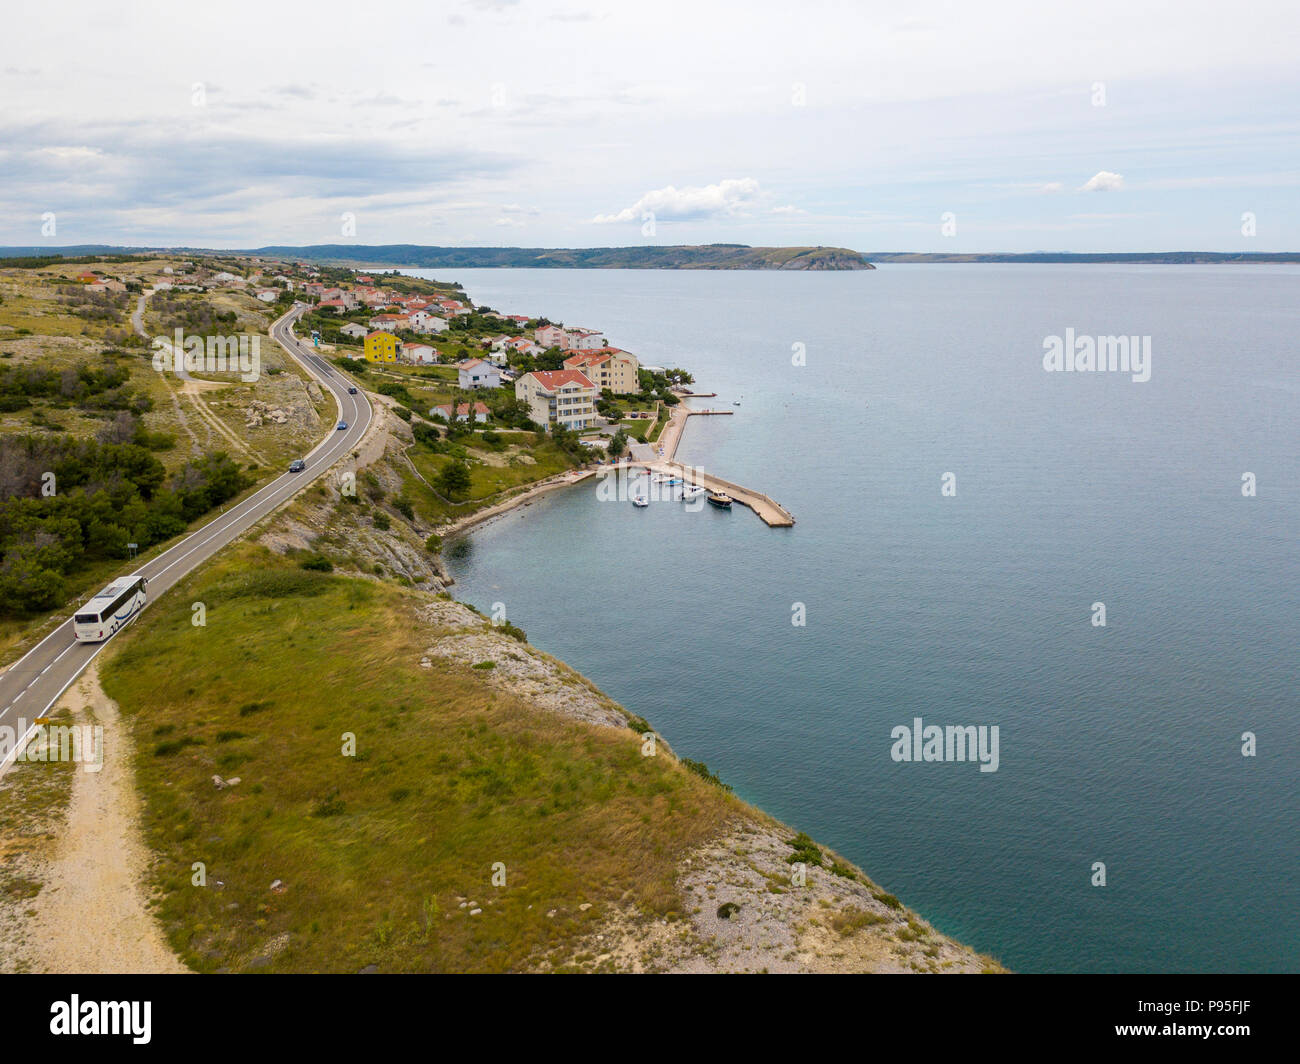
659	478
640	500
693	492
720	499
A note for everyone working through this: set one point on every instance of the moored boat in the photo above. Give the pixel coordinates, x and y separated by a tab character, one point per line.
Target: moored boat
720	499
640	500
693	492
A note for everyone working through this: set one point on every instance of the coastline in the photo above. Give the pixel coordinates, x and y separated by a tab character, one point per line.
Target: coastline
670	440
489	513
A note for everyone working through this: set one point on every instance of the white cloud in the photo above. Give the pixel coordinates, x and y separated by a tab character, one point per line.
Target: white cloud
513	223
1054	186
729	198
789	208
1103	181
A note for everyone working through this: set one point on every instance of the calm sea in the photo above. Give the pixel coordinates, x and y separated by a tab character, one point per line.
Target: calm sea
1119	744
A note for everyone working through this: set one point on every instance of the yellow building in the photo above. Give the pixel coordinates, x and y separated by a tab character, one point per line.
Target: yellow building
608	368
381	347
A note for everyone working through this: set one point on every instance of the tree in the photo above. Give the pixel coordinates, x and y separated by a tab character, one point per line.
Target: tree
454	480
618	444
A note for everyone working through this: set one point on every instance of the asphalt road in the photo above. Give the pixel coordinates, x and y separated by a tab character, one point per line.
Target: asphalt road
31	685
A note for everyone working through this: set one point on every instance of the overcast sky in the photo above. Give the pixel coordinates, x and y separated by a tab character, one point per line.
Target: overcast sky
1098	126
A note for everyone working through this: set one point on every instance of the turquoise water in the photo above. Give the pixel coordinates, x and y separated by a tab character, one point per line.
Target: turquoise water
1119	744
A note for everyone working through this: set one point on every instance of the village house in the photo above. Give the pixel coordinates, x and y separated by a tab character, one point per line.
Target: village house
551	336
381	347
333	305
610	369
357	332
558	397
422	321
584	340
475	373
419	354
481	412
267	295
390	321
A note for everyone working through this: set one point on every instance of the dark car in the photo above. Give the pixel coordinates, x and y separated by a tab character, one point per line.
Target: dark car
352	391
342	425
297	465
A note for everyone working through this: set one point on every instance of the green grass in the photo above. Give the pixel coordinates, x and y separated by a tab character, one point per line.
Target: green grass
488	480
451	776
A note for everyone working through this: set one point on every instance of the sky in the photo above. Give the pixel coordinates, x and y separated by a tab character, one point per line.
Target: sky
925	126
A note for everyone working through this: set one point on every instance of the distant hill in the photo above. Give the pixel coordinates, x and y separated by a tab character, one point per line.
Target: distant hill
650	257
1161	257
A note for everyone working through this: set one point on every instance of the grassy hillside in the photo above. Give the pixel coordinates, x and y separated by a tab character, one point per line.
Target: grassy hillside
377	851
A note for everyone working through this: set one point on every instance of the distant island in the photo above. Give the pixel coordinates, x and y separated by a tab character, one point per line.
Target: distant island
648	257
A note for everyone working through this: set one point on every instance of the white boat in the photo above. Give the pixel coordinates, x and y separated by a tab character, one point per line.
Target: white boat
693	492
659	478
640	500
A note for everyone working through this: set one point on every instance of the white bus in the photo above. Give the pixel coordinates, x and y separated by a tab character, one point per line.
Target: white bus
110	609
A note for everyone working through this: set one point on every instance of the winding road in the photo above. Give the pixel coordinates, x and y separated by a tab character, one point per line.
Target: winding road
36	681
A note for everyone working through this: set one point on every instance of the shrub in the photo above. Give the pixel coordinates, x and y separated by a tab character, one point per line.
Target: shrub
175	746
702	770
513	631
805	851
317	562
381	521
434	544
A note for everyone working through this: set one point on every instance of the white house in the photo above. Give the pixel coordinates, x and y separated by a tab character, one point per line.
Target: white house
354	330
584	340
419	354
462	412
475	373
267	295
422	321
564	397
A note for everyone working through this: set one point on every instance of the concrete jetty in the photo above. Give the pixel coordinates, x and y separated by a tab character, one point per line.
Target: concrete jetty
772	513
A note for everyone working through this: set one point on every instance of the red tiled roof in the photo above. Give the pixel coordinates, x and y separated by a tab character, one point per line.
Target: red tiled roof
555	378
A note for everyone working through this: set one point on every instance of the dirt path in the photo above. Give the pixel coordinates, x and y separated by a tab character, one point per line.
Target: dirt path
92	914
137	320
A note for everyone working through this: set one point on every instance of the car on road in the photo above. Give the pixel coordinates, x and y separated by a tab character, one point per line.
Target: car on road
342	425
297	465
352	391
